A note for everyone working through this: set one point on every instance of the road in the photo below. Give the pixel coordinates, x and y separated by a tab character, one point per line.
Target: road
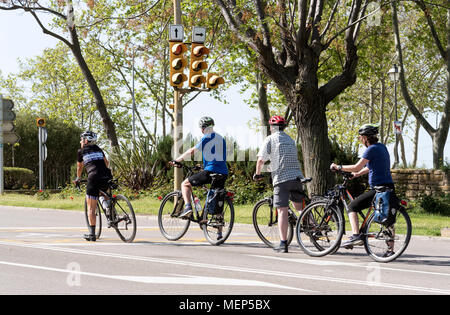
42	252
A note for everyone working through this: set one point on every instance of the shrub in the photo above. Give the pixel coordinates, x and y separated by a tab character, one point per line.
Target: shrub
18	178
436	204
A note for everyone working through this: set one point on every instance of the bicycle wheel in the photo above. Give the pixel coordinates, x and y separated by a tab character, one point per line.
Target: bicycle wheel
319	229
98	219
172	227
384	244
214	224
265	222
123	219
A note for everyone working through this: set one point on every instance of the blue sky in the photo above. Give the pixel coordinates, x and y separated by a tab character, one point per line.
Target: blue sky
20	37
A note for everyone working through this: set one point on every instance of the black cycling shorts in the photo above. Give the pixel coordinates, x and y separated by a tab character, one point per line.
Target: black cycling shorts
365	200
95	185
203	178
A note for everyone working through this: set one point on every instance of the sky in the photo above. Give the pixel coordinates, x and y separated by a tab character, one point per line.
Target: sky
21	38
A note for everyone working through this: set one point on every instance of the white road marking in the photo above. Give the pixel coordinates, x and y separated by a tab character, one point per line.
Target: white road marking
174	279
190	264
322	262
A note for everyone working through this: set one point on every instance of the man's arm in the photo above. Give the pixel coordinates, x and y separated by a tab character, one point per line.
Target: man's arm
79	169
186	154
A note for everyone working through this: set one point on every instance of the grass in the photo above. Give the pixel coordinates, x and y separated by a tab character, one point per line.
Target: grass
423	224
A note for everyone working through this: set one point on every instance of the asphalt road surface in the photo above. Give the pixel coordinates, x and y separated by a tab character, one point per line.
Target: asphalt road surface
42	252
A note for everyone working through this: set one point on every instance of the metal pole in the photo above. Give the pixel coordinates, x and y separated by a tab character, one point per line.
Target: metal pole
41	161
396	119
2	179
134	101
178	112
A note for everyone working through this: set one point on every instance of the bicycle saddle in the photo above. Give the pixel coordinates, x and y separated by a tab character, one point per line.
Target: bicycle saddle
382	188
305	180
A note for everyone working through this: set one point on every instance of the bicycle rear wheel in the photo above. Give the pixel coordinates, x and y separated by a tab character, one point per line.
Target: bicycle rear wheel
123	219
172	227
98	219
385	244
214	224
265	222
319	229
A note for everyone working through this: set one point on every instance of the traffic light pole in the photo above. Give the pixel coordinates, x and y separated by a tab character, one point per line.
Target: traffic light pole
178	112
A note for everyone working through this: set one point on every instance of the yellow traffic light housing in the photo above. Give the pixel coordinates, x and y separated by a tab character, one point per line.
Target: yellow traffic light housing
197	65
213	81
177	64
40	122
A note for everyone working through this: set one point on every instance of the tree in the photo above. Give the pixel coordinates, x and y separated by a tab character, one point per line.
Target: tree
438	32
289	39
66	23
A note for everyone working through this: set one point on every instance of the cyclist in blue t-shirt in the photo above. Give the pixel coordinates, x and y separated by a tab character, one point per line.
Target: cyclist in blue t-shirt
213	148
376	162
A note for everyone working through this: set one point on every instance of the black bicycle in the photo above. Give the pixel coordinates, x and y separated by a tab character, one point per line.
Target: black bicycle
321	226
265	220
119	213
216	222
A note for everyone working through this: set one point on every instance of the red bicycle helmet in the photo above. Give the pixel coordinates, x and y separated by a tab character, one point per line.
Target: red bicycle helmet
277	121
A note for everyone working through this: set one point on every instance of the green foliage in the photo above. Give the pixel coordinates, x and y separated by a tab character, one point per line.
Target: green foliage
436	204
42	195
18	178
138	164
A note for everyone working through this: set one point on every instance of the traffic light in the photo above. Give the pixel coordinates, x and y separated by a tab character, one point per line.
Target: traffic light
177	64
8	115
198	52
40	122
213	81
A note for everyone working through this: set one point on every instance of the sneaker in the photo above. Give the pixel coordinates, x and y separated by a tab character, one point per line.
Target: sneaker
186	213
90	237
353	240
389	253
282	248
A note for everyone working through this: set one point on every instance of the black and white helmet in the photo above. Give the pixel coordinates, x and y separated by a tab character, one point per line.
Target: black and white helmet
205	122
89	136
368	130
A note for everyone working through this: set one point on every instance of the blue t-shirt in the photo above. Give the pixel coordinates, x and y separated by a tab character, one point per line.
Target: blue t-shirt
214	152
379	164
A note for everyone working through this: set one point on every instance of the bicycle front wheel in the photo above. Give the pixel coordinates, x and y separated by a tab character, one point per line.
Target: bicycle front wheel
98	219
384	244
217	227
265	222
123	219
319	229
171	226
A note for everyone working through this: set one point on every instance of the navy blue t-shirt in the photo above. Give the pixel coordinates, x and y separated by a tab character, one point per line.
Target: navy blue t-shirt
379	164
214	151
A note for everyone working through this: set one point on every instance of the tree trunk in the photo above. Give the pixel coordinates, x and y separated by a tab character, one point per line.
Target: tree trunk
108	124
263	105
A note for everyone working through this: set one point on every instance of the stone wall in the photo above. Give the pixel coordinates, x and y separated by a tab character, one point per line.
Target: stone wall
412	183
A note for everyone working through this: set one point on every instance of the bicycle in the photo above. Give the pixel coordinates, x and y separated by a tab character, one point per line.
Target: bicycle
265	220
119	215
323	235
216	226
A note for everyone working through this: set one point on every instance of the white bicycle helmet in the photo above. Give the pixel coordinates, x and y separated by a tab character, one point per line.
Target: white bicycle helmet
89	136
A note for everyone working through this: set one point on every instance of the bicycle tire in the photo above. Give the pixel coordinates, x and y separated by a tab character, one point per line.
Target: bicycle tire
123	217
170	226
380	240
98	215
211	223
319	229
265	223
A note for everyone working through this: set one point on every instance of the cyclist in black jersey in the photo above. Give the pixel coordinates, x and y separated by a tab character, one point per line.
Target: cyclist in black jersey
93	159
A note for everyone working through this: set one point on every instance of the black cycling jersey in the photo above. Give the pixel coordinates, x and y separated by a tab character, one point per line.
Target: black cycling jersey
92	158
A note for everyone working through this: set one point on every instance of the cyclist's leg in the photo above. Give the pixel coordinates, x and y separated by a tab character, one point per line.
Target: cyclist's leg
92	192
358	204
186	189
281	203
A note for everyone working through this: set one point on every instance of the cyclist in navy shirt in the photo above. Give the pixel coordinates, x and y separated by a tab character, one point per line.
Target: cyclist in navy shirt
213	148
376	162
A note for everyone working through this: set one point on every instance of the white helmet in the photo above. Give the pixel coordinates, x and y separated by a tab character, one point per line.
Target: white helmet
89	136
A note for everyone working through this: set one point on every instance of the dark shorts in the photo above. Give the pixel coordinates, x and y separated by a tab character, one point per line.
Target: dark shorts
94	185
290	190
203	178
365	200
